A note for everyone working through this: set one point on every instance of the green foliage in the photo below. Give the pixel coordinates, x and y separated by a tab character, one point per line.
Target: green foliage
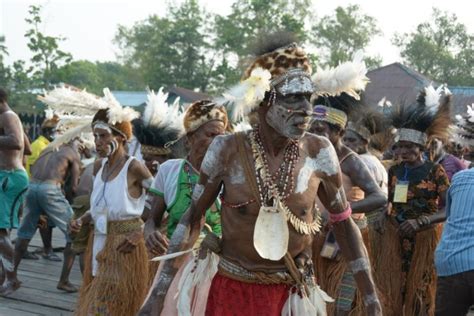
340	35
171	51
440	48
47	56
96	76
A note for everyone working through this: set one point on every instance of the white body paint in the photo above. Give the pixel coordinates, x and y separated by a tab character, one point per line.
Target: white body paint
237	174
326	161
211	164
198	190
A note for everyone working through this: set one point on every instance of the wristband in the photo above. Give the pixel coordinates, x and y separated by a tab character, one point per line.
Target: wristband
339	217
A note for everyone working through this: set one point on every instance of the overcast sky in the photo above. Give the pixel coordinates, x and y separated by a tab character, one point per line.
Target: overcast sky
90	26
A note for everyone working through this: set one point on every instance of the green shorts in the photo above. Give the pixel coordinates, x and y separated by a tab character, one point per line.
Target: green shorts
13	185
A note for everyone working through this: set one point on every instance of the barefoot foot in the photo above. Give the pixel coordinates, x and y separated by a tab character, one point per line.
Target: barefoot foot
67	287
9	288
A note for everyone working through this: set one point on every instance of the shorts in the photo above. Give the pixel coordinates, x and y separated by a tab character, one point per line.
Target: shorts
13	185
48	198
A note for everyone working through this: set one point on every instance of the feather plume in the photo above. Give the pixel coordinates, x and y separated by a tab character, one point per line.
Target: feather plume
244	97
65	99
116	112
242	126
440	126
49	114
70	135
349	77
160	114
465	127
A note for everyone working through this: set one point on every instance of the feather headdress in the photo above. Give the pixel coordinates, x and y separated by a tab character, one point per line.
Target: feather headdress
425	119
248	94
279	65
349	77
161	124
339	91
67	99
465	126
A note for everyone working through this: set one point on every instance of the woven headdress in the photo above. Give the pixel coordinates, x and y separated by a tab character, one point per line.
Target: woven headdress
201	112
465	127
338	91
161	124
279	65
429	117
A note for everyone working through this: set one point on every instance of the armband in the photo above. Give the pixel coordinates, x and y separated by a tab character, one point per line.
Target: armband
339	217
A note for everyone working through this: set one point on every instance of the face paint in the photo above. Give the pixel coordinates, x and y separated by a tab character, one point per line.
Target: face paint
112	147
289	123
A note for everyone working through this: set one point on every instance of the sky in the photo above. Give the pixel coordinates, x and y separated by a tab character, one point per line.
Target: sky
90	25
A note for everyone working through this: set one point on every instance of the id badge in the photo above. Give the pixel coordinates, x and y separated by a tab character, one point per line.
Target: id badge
100	223
401	192
330	248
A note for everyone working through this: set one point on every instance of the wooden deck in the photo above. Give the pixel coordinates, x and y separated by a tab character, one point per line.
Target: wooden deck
38	294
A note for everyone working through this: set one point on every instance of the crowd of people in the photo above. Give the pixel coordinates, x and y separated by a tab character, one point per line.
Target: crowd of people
288	195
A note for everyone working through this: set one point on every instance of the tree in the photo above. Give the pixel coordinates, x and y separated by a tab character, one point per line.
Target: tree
339	36
47	56
96	76
238	31
440	48
4	70
174	50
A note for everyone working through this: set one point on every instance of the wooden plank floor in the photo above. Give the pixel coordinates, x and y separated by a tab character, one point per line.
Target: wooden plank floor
38	294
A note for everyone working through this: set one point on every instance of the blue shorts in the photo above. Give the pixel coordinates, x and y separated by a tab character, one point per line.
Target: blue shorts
45	198
13	185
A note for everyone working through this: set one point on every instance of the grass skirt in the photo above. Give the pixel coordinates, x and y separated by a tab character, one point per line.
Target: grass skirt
329	273
120	285
413	292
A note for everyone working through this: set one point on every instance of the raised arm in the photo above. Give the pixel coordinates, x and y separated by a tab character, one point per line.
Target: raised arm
361	177
349	237
189	227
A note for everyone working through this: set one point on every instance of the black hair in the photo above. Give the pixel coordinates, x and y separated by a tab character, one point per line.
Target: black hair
266	43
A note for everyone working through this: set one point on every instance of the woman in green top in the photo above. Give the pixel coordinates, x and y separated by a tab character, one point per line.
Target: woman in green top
177	179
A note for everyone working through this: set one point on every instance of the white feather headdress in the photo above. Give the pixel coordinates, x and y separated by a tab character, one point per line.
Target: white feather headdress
160	114
244	97
465	127
432	96
349	77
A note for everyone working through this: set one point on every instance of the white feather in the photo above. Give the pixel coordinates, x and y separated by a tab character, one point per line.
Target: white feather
161	114
194	276
67	100
48	113
116	112
349	77
432	97
70	135
171	255
242	126
244	97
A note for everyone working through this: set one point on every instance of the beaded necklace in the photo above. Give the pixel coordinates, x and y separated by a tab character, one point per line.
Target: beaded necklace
270	189
270	192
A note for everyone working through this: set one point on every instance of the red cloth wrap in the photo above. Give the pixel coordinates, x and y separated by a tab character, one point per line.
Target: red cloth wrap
235	298
335	218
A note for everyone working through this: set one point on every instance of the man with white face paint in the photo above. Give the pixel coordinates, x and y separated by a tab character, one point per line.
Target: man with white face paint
116	267
268	220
